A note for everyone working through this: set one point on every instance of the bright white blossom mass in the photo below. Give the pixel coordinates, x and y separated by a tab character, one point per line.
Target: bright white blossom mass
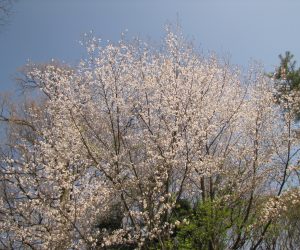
108	149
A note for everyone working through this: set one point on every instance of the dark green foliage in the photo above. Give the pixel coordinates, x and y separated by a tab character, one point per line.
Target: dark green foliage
113	220
287	72
287	76
182	209
287	83
205	226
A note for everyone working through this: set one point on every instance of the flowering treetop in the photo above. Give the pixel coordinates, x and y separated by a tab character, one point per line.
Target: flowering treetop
119	140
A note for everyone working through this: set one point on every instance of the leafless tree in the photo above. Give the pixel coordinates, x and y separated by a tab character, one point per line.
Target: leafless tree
5	11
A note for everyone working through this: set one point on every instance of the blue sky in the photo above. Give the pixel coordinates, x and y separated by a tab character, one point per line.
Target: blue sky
40	30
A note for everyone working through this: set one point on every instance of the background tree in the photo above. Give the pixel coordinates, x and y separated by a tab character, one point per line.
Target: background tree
287	81
5	10
287	71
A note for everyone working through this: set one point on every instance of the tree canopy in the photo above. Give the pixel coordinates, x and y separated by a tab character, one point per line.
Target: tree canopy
147	148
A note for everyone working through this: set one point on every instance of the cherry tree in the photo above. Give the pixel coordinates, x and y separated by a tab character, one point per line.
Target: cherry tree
112	146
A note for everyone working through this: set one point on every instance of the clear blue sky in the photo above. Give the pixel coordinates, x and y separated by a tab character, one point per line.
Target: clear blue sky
40	30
